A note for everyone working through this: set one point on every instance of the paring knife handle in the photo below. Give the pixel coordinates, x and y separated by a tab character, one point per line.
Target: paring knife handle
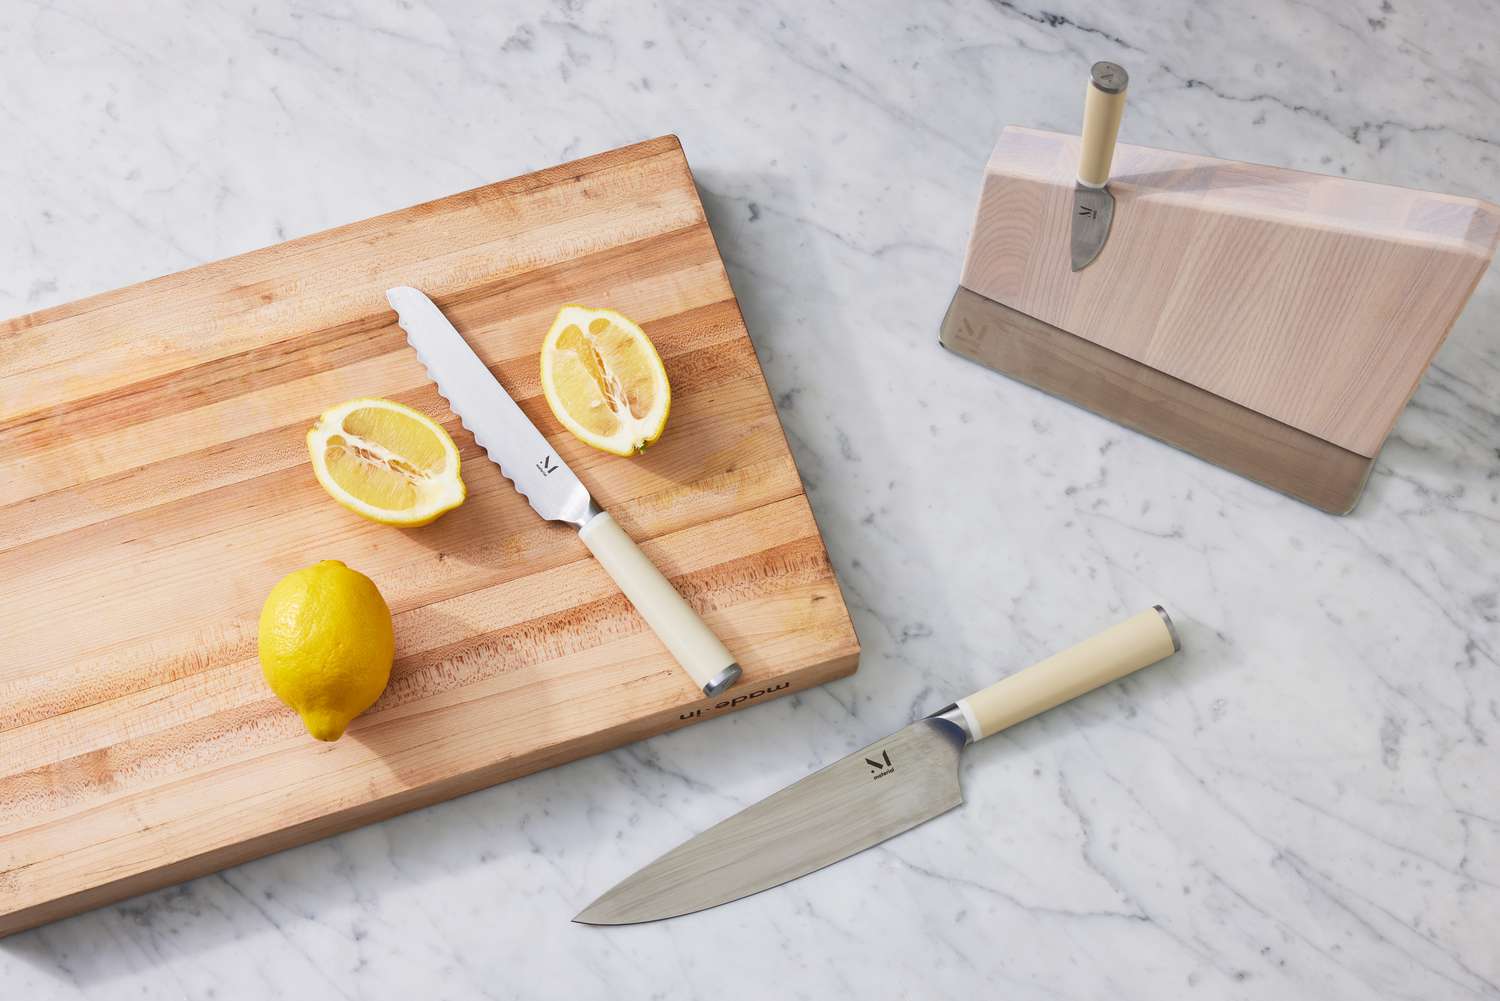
1103	105
1138	642
673	620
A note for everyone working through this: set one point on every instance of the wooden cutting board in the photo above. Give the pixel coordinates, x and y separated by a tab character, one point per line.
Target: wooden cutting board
154	485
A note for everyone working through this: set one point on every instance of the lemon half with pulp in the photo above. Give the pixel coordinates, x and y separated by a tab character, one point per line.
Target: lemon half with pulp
604	380
386	461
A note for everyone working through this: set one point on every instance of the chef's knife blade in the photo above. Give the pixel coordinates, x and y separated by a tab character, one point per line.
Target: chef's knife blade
853	804
1093	205
873	794
507	435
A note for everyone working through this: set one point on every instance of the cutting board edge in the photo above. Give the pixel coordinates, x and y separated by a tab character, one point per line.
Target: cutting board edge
668	720
520	182
786	443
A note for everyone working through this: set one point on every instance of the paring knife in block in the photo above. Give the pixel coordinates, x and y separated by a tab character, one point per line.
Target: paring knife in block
875	793
1272	321
554	491
1093	205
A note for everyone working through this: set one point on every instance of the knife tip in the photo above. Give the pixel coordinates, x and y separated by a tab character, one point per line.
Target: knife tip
603	913
395	295
582	918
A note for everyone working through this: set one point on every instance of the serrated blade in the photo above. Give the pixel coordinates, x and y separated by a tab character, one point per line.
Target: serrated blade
500	427
855	803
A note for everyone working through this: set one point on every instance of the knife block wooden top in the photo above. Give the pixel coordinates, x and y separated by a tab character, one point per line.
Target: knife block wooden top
1316	301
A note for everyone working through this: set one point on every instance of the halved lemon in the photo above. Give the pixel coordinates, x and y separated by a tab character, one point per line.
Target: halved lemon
604	380
386	461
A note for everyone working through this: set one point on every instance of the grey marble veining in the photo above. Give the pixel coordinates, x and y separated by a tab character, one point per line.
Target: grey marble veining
1301	805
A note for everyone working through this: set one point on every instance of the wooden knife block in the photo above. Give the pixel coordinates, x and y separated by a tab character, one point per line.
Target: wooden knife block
1272	321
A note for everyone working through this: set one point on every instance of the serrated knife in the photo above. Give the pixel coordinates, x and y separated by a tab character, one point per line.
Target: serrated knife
554	491
875	793
1093	205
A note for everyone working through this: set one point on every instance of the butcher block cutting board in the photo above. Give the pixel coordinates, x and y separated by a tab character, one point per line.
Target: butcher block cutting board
154	484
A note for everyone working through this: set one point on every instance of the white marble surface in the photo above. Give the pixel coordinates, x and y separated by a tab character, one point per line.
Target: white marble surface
1305	804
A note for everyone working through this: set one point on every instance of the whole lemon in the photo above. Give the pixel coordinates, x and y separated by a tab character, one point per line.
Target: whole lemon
326	644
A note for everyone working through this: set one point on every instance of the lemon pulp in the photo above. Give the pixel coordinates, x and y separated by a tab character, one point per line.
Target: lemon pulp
604	380
386	461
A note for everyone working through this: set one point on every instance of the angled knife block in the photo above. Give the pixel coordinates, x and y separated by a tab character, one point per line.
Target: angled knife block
1271	321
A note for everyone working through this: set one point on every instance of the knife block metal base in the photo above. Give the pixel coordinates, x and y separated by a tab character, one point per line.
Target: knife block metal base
1144	399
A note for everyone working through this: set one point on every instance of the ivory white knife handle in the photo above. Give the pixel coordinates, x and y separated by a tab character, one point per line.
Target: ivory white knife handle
1102	107
1138	642
673	620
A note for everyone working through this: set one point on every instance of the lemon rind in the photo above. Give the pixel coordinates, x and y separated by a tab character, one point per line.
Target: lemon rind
626	442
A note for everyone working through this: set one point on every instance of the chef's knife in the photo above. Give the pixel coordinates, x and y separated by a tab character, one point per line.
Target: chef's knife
875	793
554	491
1093	205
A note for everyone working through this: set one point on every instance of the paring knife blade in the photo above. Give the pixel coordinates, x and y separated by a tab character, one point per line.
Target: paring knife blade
1093	204
875	793
1093	211
554	491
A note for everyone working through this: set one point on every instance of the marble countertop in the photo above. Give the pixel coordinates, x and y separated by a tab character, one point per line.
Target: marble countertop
1301	805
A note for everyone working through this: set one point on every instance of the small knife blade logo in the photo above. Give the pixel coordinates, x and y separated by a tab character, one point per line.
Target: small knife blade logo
881	768
547	466
1087	211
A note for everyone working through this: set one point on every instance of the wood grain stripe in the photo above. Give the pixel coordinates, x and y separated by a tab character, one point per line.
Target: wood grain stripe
699	346
310	352
53	777
456	561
